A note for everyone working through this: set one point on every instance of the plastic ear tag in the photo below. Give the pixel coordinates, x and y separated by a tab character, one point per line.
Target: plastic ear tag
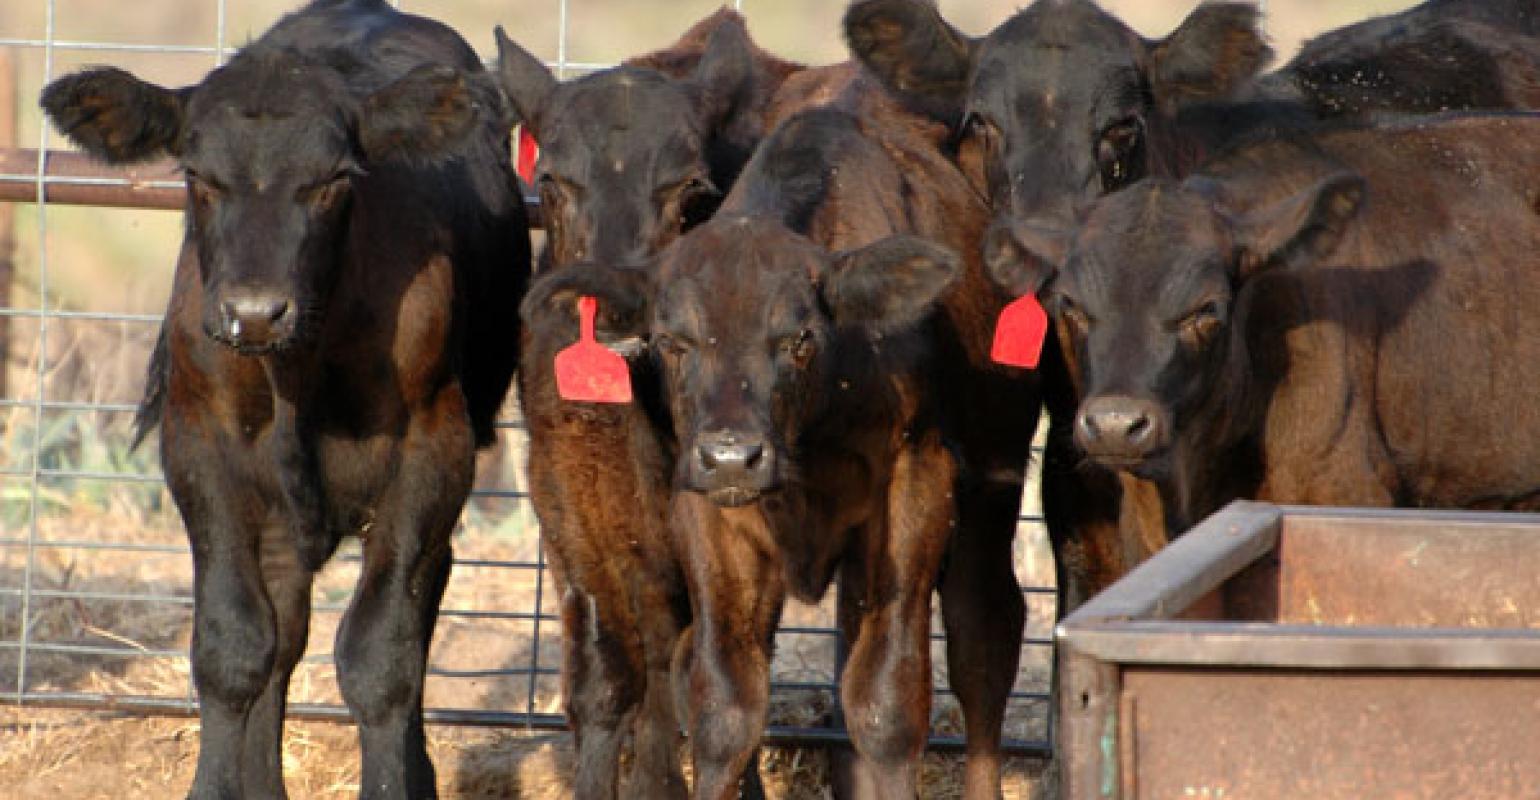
529	153
587	372
1019	333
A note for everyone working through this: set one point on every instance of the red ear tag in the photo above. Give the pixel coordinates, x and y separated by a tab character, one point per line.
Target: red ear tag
529	152
1019	333
587	372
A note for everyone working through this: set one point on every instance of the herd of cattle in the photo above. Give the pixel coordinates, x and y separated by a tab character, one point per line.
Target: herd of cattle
1308	286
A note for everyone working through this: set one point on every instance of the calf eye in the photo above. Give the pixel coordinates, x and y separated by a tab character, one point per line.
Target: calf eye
799	347
554	192
1118	152
1074	318
987	132
671	345
1197	329
978	124
325	193
698	186
691	201
689	187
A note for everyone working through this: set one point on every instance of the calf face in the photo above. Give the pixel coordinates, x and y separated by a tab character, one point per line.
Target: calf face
746	318
1067	101
1150	301
626	158
271	145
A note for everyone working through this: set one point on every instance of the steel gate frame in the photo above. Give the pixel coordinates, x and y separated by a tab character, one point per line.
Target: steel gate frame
47	177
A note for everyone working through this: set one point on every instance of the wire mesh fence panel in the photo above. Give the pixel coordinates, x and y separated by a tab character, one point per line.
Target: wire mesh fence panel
95	578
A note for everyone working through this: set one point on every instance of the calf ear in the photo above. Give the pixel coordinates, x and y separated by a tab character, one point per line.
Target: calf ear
624	294
115	116
914	52
725	73
1215	51
1300	229
1023	255
890	284
424	115
525	81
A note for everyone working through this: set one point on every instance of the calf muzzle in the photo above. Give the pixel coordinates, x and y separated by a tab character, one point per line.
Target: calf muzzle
731	468
256	321
1119	430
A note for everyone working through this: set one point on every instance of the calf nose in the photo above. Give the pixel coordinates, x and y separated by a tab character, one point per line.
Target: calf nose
732	467
731	457
1119	428
256	319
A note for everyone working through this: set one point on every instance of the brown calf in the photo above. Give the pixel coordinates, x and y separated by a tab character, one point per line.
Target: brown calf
826	425
630	158
1341	319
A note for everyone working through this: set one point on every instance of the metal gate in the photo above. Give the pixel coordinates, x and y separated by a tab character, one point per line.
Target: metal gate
95	579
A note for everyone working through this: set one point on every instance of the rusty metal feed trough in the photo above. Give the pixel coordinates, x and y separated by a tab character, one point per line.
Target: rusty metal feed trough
1285	652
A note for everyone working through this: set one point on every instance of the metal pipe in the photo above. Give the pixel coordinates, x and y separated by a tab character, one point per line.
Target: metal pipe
71	178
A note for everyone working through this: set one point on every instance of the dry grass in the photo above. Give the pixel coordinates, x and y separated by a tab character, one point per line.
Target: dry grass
88	755
103	756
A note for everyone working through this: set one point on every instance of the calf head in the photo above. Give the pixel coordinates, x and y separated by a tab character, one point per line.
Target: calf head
629	157
1066	101
747	320
272	145
1151	301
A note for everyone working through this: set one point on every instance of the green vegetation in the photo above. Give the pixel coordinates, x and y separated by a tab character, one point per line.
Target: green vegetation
75	443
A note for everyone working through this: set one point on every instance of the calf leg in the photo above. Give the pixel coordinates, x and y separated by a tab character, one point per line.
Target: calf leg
382	654
849	776
233	647
984	614
290	551
886	688
234	641
736	589
617	631
750	787
605	531
601	663
605	679
288	582
656	772
382	645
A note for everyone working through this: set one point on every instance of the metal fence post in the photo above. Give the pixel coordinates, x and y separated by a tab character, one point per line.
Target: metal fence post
7	212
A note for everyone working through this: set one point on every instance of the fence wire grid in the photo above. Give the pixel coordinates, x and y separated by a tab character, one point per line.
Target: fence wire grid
95	577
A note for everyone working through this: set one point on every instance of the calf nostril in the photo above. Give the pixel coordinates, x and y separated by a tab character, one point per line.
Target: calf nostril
756	456
708	459
278	310
1139	427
